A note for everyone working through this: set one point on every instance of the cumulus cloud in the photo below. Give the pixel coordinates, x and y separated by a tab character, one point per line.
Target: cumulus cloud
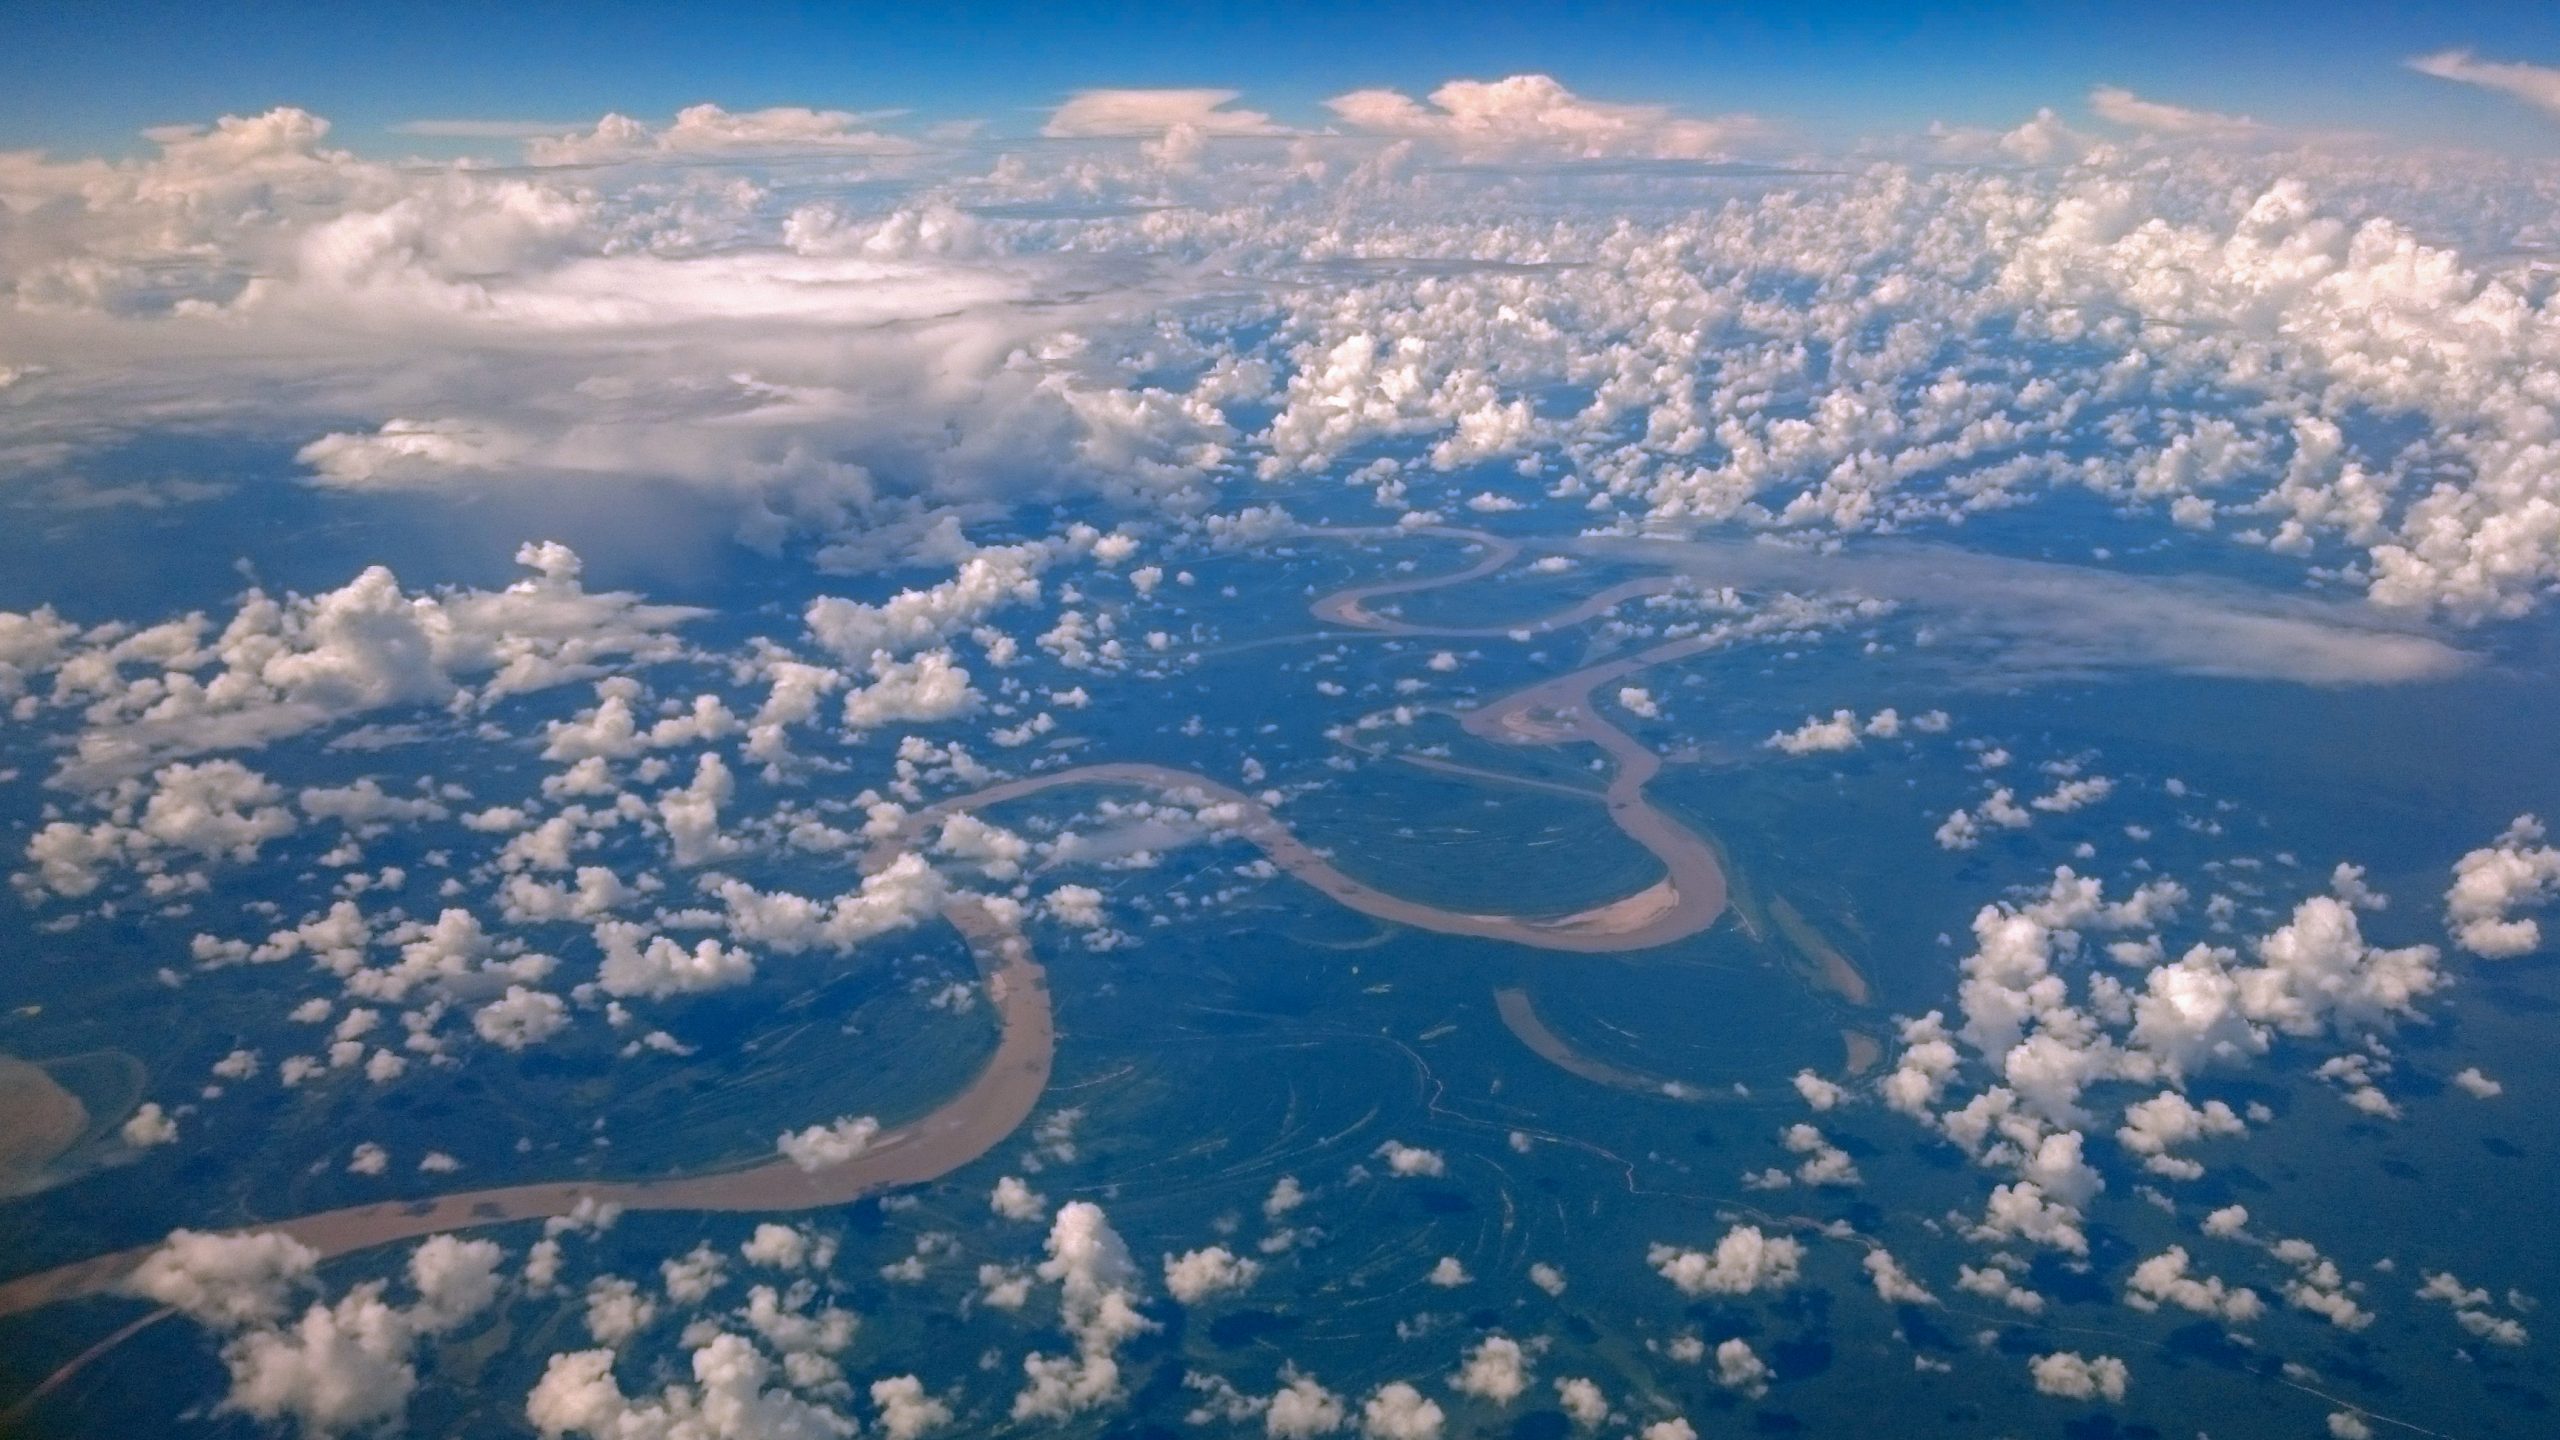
1200	1274
1397	1411
339	1366
285	666
1744	1262
2490	884
734	1395
1098	1305
1739	1368
1533	114
1894	1285
1015	1200
2165	1279
1412	1161
1496	1370
906	1410
2072	1376
226	1281
822	1147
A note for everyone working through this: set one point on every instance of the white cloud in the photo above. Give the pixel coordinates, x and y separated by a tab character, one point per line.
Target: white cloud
927	688
2535	85
1303	1408
2489	884
1146	113
778	1247
702	131
1015	1200
985	582
2165	1279
1411	1161
639	963
1744	1262
1397	1411
1738	1368
2073	1376
149	1126
1198	1275
226	1281
2477	1085
521	1018
821	1147
283	667
1098	1305
906	1411
1497	1370
1530	114
1893	1284
732	1397
2119	106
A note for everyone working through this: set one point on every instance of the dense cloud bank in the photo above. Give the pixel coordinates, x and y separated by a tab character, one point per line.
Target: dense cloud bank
2233	331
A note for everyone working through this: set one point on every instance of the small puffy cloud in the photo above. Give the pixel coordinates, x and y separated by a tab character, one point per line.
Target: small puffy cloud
1497	1369
2165	1279
1302	1408
1745	1261
654	966
1077	906
1015	1200
2477	1085
930	687
1893	1284
2490	884
987	581
1739	1369
1583	1401
2072	1376
907	1412
1199	1274
1397	1411
1818	1092
1152	113
821	1147
777	1247
1993	1283
149	1126
1534	114
1816	736
521	1018
1412	1161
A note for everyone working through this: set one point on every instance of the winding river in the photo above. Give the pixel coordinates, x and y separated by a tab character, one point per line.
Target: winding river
1558	711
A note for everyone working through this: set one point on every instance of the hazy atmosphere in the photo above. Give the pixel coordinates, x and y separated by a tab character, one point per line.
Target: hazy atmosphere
1644	723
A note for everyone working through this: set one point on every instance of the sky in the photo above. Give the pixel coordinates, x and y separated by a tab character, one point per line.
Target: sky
86	78
561	571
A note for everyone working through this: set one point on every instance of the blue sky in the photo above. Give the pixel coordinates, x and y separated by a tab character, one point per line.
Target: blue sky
86	78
